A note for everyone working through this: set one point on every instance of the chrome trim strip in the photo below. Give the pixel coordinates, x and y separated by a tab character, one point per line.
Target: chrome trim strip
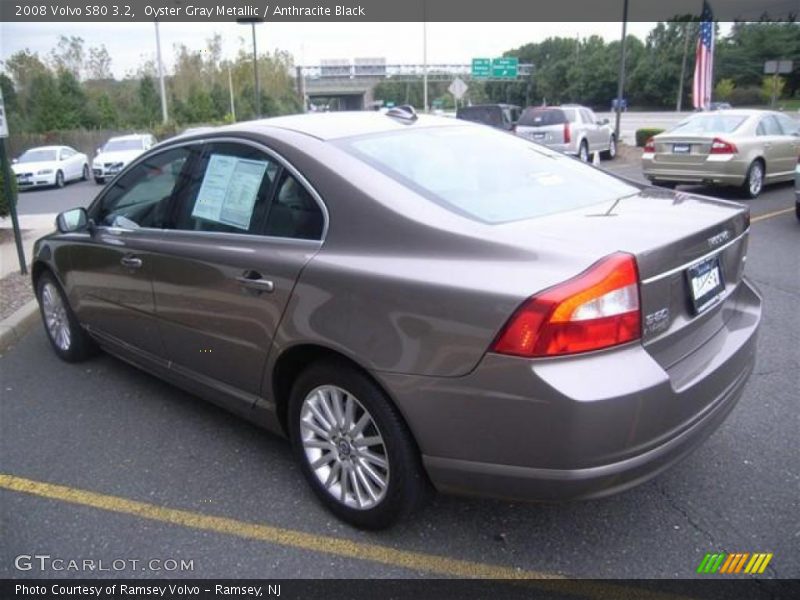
694	261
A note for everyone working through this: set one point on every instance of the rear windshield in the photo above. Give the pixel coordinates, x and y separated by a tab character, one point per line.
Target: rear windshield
485	174
119	145
716	123
542	117
488	115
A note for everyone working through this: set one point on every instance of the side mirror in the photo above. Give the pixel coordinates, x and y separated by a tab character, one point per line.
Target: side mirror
99	150
604	122
72	220
14	161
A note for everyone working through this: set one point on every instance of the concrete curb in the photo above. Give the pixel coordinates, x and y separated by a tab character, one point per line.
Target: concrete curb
14	327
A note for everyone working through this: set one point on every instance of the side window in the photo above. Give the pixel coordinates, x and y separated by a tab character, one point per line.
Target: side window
67	153
788	125
769	126
142	197
229	191
294	212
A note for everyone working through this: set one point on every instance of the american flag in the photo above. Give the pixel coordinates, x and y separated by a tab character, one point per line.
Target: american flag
704	60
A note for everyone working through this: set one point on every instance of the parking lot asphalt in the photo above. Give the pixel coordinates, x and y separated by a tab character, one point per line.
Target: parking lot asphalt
102	461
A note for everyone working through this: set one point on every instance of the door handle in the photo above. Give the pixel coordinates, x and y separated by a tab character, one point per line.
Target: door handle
254	281
131	262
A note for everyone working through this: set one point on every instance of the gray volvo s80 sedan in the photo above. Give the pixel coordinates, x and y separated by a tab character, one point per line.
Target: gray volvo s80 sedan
415	301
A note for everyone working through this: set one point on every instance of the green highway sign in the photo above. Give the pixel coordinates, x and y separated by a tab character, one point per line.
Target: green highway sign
503	68
481	68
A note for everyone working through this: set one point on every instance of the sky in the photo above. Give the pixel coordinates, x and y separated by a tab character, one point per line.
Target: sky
130	44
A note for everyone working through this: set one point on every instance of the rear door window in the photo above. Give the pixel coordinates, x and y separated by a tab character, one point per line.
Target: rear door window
769	126
229	191
788	125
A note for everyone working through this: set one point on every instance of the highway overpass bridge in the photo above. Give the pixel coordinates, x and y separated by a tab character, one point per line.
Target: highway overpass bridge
348	86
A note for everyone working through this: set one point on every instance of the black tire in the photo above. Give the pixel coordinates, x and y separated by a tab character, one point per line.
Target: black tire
99	180
670	185
797	209
80	346
85	174
752	189
583	152
611	153
407	484
59	179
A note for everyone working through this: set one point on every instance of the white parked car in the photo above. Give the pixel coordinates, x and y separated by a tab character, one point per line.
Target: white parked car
118	152
50	165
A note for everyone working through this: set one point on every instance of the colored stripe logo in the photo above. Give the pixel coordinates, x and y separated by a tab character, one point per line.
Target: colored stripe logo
739	562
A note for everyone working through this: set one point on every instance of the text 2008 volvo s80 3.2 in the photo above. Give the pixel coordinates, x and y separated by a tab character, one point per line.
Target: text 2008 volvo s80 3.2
415	301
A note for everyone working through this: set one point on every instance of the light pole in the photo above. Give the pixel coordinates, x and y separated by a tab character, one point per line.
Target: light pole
253	21
161	77
425	66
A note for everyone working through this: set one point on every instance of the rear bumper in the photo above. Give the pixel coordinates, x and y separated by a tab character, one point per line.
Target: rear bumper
577	427
720	172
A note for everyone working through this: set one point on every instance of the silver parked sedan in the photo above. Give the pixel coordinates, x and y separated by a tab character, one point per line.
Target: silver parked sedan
414	301
743	148
570	128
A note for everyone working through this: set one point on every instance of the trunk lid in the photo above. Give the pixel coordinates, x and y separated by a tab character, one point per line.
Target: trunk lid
669	233
682	149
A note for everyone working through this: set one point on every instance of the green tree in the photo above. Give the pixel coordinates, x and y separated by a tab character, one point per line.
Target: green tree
724	89
107	116
149	102
44	104
72	101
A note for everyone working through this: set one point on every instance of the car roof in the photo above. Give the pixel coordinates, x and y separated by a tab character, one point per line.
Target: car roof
130	136
334	125
46	148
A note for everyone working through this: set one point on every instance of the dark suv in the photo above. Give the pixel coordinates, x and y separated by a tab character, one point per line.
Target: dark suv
500	116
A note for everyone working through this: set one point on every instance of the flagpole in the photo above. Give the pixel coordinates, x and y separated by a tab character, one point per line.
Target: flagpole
621	78
679	103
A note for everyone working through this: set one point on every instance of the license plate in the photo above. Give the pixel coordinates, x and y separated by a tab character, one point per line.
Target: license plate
681	148
538	136
705	283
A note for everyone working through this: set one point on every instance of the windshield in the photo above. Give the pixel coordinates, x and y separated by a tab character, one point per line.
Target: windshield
543	117
38	155
718	123
485	174
118	145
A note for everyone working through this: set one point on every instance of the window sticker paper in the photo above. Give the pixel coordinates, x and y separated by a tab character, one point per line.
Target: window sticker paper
229	190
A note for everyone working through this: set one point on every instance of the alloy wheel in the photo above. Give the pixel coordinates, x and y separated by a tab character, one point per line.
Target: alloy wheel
756	180
612	148
344	447
55	317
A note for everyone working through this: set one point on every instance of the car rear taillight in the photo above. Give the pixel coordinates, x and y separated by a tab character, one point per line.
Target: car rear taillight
650	145
719	146
566	133
597	309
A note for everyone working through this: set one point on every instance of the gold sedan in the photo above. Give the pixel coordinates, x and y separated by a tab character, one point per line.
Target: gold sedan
743	148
